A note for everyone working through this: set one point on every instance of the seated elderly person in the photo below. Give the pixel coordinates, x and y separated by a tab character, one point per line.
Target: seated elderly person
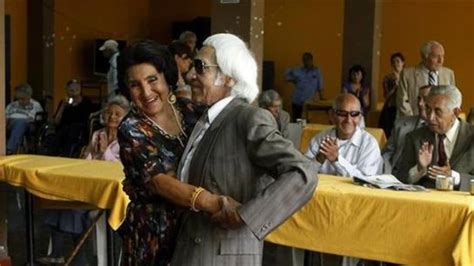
346	150
20	114
444	147
103	144
270	100
392	152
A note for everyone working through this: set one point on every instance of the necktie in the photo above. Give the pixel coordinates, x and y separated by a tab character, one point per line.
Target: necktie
442	158
432	78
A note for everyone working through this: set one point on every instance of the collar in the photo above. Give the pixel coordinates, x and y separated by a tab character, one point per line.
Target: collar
426	70
453	131
217	108
356	138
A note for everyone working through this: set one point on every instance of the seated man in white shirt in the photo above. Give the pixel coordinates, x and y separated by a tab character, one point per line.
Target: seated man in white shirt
444	147
20	114
346	150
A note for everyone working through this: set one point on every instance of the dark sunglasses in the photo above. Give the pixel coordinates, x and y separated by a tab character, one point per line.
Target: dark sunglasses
200	65
346	113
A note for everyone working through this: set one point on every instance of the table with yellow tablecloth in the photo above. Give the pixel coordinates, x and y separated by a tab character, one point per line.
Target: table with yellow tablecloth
97	183
311	130
414	228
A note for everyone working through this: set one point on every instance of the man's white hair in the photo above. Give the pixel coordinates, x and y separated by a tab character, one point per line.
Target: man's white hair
453	94
236	61
425	49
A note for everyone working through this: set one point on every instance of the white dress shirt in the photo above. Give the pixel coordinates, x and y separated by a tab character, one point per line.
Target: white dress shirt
358	156
212	113
449	142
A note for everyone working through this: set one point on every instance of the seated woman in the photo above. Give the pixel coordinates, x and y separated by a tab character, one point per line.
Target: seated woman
20	114
103	144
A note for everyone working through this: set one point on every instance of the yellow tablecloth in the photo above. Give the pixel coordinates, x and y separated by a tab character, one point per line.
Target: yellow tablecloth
414	228
97	183
310	130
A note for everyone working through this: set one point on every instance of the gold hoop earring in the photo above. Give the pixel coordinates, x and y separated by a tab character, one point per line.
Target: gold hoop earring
171	99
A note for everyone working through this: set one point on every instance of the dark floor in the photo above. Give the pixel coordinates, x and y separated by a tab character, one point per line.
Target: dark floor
17	233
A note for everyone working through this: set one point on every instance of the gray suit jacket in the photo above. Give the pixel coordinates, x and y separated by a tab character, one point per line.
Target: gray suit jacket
392	151
411	80
241	147
462	159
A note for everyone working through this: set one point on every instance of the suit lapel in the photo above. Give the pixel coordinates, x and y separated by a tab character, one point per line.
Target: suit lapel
443	78
462	142
224	113
204	149
420	79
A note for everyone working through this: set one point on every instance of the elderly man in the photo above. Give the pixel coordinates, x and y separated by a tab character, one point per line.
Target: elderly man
110	50
429	72
392	152
444	147
20	114
346	150
232	146
271	101
308	81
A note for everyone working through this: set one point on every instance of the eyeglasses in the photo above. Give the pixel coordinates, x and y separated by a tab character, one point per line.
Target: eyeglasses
200	65
342	113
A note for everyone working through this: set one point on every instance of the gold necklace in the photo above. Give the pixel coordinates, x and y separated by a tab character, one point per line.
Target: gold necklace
165	132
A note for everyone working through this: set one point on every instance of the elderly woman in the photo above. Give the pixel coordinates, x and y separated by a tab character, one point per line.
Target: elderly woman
152	138
103	144
271	101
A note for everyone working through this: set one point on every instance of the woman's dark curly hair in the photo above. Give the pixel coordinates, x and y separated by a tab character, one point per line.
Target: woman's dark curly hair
148	51
357	68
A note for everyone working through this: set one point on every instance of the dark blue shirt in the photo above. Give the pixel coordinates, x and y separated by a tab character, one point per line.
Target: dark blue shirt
307	82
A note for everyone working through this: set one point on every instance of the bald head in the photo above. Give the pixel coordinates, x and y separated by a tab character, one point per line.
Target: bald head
344	100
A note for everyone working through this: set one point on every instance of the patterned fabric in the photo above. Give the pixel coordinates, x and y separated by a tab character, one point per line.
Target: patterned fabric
150	228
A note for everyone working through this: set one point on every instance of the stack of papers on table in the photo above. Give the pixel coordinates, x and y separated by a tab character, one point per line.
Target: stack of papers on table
387	182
